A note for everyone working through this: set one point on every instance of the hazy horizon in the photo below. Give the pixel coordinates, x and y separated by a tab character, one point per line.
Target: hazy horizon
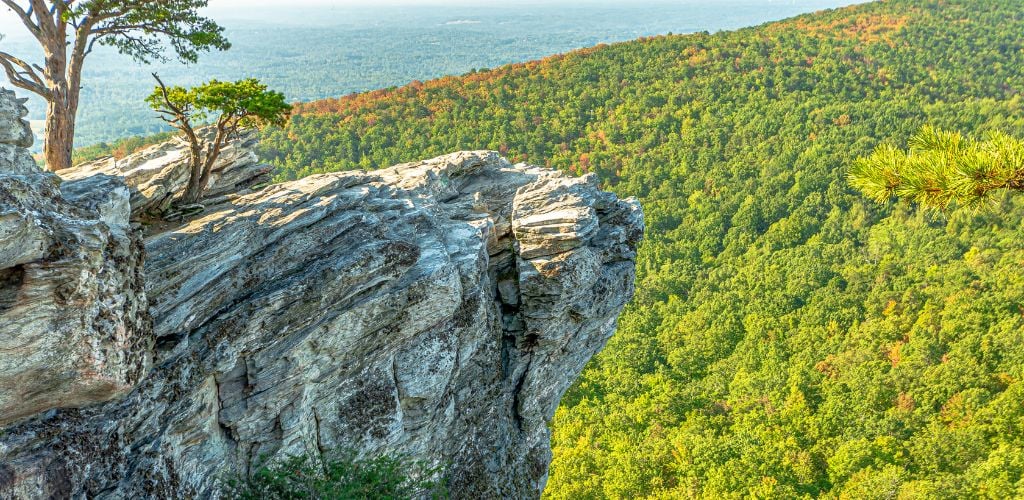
312	49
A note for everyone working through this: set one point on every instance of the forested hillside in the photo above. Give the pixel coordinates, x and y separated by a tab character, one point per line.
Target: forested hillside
311	49
789	337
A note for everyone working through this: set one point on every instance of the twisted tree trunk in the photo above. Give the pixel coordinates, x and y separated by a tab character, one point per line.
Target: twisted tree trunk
60	134
196	181
59	81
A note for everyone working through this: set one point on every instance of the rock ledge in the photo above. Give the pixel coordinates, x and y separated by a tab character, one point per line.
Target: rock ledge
438	309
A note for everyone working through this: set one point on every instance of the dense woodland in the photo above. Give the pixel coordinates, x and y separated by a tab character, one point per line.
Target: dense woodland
789	337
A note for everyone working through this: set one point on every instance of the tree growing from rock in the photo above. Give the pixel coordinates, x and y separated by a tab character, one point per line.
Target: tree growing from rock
942	169
227	107
69	30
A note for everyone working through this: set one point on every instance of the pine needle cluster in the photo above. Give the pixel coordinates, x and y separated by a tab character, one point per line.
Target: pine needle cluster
942	169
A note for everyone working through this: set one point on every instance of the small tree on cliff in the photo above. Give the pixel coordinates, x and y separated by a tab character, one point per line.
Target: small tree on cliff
942	169
228	106
68	30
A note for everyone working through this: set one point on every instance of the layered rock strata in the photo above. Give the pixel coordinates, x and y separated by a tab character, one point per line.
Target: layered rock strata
436	309
158	174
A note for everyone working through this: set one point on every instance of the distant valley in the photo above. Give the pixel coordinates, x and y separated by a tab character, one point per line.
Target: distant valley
794	333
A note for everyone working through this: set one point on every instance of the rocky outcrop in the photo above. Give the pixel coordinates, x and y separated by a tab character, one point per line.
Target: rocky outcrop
437	309
157	175
15	136
74	326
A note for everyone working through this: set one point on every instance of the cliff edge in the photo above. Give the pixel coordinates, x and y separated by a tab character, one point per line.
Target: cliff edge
437	309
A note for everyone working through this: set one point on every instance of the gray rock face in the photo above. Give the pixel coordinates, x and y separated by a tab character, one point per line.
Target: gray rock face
74	326
437	309
15	136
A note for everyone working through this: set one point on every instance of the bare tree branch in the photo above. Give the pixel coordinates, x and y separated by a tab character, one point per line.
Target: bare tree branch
180	116
44	20
26	77
24	16
27	69
78	53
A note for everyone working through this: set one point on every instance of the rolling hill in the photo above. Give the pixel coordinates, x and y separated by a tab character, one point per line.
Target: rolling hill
789	338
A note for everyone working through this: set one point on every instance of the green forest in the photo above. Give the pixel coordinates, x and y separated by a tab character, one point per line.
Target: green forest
789	337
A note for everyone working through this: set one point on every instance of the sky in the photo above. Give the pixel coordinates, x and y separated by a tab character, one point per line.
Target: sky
233	4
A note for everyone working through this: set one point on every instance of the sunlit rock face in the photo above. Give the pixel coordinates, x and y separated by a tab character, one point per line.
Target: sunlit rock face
74	326
15	136
437	309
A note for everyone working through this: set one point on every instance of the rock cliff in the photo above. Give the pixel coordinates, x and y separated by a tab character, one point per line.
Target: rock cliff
74	327
437	309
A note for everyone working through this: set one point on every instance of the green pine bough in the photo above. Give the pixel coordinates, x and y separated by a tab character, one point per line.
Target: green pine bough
942	169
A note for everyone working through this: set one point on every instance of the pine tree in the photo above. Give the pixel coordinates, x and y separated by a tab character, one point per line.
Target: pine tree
231	106
68	30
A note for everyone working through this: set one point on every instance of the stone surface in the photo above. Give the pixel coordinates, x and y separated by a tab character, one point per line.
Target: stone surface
15	136
157	175
74	326
438	309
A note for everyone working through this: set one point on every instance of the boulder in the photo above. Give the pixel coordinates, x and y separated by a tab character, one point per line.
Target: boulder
157	175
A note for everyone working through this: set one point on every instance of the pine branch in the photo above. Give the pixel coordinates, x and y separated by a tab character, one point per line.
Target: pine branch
942	170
